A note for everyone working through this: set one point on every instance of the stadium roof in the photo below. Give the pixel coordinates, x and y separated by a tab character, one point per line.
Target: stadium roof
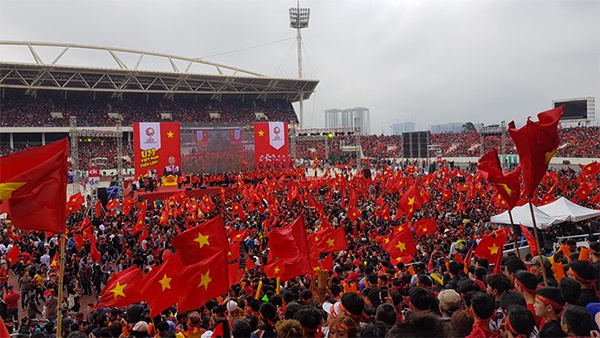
107	69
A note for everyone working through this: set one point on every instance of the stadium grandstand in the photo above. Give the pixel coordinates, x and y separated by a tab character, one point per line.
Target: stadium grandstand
39	96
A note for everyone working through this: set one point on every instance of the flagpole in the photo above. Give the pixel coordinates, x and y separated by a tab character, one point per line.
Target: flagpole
61	274
537	242
514	230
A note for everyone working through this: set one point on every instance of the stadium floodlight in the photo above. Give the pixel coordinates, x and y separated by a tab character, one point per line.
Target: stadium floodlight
298	20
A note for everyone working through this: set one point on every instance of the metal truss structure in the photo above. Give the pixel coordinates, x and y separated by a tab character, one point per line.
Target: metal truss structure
176	78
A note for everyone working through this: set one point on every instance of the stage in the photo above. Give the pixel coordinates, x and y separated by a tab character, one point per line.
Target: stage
165	192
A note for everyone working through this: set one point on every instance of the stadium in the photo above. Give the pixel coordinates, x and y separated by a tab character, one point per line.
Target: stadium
367	235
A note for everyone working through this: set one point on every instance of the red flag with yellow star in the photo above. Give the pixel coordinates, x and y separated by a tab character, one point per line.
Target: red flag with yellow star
202	241
54	263
333	241
275	269
13	255
536	143
290	245
158	286
425	226
507	185
202	281
33	187
410	201
489	246
75	202
401	244
122	289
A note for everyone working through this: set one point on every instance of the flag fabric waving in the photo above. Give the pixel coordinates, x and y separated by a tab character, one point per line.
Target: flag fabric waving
289	244
489	246
33	187
507	185
530	240
401	244
158	285
202	241
536	143
121	289
425	226
201	282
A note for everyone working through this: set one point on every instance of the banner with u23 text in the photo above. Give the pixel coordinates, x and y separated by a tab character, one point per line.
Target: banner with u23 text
154	143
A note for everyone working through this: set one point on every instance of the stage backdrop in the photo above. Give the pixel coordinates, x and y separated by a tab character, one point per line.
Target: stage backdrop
270	141
154	143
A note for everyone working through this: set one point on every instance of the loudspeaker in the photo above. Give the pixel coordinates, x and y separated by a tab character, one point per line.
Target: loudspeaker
102	196
367	173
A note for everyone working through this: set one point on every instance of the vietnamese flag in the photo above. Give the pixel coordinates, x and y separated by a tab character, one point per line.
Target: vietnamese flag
121	290
583	192
425	226
410	201
530	240
507	185
54	263
158	286
289	244
334	241
202	281
13	255
94	253
202	241
270	138
536	143
33	187
401	244
239	210
590	169
75	202
237	236
489	246
353	214
275	269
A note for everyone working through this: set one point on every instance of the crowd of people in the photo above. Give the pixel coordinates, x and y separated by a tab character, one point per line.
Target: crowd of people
23	111
368	292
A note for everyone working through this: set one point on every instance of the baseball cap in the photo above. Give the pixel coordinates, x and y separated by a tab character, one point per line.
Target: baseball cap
449	299
536	261
332	309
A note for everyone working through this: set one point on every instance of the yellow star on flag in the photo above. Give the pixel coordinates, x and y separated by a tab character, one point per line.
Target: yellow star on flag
424	230
202	240
317	238
165	282
317	268
118	290
506	188
6	189
549	155
330	241
261	133
401	246
205	280
411	200
170	134
400	228
494	249
387	240
276	270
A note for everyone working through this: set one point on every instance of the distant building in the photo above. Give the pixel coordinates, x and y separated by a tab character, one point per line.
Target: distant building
349	118
453	127
405	127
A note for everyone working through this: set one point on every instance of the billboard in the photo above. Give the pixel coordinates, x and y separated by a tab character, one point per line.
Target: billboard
156	147
216	149
576	109
271	143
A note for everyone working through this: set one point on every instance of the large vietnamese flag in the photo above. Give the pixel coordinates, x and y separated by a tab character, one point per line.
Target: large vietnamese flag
33	187
270	138
154	143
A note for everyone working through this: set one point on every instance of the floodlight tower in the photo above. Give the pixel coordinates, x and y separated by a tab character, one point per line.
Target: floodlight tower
299	19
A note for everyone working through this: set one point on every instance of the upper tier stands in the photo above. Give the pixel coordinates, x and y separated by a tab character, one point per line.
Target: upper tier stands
24	111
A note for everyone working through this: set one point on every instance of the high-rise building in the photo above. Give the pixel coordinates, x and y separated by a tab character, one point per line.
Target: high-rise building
404	127
358	117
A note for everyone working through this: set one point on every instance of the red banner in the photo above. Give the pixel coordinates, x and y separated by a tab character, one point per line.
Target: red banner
157	148
271	144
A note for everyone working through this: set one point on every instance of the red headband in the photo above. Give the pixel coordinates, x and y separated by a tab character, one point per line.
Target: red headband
512	329
550	302
524	287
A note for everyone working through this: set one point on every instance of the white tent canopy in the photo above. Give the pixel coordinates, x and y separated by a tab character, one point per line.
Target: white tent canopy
522	215
562	208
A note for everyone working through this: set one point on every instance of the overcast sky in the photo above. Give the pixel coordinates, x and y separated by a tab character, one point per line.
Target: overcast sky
406	60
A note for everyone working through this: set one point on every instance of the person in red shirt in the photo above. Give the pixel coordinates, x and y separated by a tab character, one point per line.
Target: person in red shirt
11	298
4	277
526	284
482	308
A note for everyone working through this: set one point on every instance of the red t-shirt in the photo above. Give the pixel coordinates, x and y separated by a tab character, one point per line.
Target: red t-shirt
12	300
3	275
538	320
